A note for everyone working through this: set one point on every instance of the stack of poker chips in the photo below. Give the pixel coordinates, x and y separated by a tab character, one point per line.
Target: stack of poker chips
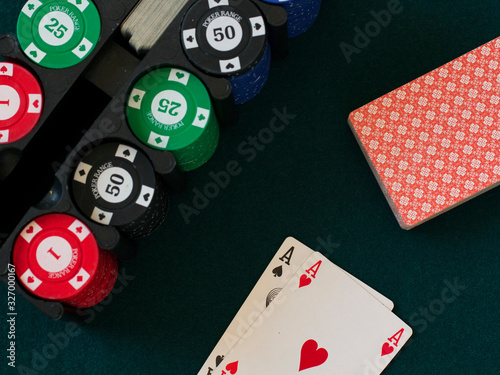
115	184
21	102
57	258
228	39
301	14
174	112
52	38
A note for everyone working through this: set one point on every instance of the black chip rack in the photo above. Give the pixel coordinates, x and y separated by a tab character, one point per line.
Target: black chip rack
112	67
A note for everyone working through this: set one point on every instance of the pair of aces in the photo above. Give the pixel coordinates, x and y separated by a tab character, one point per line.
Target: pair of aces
307	316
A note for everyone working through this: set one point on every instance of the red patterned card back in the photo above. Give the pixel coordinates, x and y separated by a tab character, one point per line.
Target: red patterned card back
435	142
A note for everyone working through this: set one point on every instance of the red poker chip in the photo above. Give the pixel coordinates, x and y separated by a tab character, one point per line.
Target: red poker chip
57	258
21	102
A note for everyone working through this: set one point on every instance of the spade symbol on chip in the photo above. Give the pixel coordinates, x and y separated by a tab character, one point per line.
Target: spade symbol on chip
4	69
278	271
230	66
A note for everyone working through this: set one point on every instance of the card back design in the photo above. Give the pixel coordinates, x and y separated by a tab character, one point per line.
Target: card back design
434	143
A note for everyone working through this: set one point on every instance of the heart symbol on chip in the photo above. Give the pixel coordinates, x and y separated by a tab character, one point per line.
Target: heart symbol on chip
180	75
258	26
147	196
387	349
34	54
36	103
304	281
311	355
29	230
232	367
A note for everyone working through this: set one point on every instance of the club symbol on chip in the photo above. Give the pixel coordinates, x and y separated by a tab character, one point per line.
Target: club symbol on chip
102	217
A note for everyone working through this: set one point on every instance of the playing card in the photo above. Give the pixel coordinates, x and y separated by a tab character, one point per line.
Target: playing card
433	143
290	256
323	323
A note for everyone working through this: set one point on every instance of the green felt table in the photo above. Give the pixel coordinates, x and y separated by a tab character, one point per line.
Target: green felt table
312	182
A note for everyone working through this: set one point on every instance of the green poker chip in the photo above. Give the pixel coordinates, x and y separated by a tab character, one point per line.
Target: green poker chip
58	34
170	109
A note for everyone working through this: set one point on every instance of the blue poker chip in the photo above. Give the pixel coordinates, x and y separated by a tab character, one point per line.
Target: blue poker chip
301	14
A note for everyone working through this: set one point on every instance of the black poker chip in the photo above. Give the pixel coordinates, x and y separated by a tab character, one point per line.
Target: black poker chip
115	184
224	37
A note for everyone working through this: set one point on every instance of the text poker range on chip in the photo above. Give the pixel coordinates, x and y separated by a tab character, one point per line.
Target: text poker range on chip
58	33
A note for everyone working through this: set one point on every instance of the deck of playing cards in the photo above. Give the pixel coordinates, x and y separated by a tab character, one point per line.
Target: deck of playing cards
434	143
307	316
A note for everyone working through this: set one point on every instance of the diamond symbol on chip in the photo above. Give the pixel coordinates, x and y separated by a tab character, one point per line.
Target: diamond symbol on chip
158	140
82	172
79	279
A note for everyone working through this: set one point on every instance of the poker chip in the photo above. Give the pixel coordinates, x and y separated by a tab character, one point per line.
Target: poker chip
301	14
21	102
57	258
170	109
228	38
115	184
58	33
